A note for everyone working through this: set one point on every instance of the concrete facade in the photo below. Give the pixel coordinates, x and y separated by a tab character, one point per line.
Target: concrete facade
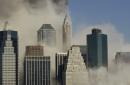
8	67
75	72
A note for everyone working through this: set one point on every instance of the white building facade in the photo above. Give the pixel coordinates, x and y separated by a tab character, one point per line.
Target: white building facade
8	63
75	72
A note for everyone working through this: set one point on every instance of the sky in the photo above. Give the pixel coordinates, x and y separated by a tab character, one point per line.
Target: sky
93	12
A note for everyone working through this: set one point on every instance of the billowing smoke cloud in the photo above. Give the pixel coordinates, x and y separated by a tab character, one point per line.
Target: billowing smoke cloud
10	7
27	16
116	74
116	77
116	42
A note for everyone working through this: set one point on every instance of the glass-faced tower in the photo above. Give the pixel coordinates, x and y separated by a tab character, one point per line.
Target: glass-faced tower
47	35
97	49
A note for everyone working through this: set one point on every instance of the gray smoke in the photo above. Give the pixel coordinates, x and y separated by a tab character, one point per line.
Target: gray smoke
27	16
116	74
10	7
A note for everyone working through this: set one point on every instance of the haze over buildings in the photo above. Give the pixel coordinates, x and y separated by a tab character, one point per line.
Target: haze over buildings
55	35
47	35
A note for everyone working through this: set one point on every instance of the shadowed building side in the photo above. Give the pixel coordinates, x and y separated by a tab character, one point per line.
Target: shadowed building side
59	62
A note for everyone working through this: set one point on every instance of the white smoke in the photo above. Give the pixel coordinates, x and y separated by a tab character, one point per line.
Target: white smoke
115	74
116	42
27	16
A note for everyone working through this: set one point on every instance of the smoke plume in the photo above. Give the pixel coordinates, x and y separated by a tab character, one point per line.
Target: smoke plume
116	74
27	16
10	7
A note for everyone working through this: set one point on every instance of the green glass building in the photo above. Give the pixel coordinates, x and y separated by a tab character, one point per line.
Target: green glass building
97	49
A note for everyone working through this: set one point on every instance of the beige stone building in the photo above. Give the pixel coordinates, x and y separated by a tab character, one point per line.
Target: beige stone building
75	72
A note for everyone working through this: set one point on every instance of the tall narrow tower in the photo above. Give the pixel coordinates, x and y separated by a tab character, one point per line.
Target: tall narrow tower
97	49
67	33
8	72
8	48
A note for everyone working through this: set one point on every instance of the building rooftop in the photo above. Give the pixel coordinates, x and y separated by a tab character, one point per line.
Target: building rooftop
96	31
123	57
47	26
34	50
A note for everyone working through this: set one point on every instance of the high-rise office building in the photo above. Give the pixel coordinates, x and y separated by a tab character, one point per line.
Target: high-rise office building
75	72
59	60
47	35
36	67
67	33
122	57
83	50
34	50
97	49
8	63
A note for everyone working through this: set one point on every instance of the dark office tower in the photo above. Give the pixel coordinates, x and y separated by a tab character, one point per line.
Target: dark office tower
14	39
97	49
47	35
36	67
60	57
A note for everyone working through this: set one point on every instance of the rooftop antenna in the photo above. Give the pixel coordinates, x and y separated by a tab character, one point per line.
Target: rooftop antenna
8	35
5	25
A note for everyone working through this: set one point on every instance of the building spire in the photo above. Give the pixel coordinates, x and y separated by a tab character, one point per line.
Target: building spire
67	32
5	25
8	35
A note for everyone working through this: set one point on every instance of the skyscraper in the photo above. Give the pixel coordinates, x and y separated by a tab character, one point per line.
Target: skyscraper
47	35
8	63
34	50
122	57
75	72
97	49
83	50
36	66
59	60
14	38
67	33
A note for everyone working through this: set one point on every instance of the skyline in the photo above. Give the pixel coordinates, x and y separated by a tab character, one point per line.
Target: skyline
89	13
36	60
